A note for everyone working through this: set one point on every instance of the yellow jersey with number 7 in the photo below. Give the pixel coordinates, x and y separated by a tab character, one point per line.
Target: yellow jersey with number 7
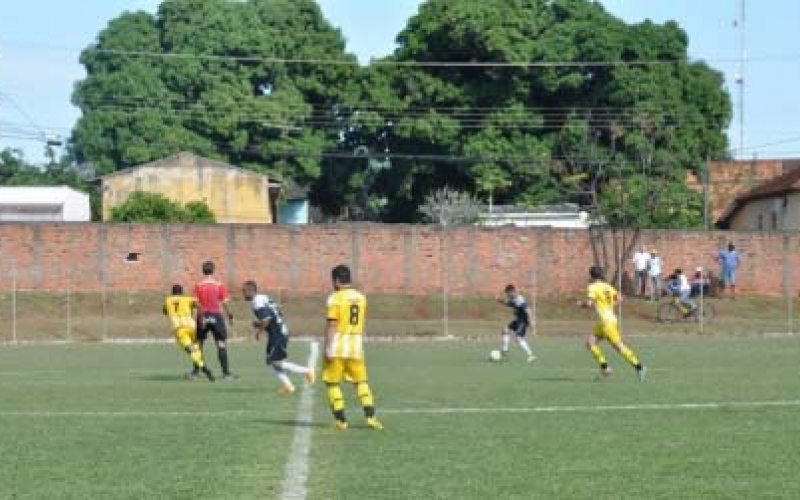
348	308
604	297
180	311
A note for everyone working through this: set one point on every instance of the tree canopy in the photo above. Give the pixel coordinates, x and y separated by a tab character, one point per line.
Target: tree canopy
526	102
209	76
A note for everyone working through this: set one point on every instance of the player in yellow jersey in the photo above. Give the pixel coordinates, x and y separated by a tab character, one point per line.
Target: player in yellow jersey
182	313
605	297
344	348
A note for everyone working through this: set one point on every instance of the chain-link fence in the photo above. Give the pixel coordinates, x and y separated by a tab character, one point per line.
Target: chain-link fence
448	268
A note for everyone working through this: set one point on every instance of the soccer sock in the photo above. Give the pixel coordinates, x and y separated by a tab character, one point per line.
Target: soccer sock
283	377
197	357
367	401
597	354
506	340
196	369
222	354
336	400
294	368
630	357
524	346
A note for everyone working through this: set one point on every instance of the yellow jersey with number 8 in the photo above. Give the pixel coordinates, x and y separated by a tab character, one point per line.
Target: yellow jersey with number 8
604	297
348	308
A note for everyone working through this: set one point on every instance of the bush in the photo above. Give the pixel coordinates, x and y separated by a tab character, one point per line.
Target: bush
143	206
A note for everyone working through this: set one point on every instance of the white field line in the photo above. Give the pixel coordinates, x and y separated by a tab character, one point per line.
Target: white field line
295	475
597	408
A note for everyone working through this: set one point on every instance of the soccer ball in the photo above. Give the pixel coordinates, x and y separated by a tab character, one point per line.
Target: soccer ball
495	355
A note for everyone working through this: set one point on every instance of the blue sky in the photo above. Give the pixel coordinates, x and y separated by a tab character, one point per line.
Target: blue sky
41	39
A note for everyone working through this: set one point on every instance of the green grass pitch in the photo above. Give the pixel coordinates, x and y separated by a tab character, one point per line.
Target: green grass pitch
718	418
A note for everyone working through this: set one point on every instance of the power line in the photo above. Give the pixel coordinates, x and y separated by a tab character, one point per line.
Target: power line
388	62
778	142
26	116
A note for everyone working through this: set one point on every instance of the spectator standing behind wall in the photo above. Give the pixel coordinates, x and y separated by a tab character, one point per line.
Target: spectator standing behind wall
654	266
729	263
640	260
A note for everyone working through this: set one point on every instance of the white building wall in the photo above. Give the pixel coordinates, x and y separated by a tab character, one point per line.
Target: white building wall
44	204
77	207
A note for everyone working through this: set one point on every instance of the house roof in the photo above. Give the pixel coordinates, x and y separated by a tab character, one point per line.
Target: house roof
779	186
293	190
37	195
183	154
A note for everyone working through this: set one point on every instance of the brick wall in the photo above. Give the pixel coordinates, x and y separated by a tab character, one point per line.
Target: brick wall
385	258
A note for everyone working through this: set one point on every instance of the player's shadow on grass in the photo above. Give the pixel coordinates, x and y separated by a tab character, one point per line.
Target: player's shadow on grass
165	377
290	422
226	387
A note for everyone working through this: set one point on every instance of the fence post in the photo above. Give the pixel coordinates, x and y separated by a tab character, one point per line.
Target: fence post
69	305
787	280
14	303
103	306
702	300
534	296
445	283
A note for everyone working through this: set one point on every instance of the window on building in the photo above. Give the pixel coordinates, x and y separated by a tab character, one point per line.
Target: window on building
774	221
760	222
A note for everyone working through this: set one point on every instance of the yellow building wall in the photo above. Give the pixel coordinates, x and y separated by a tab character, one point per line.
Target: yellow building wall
235	196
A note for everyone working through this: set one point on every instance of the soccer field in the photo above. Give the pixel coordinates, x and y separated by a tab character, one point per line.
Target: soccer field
717	418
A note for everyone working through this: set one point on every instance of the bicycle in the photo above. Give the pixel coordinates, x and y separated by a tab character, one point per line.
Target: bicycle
673	312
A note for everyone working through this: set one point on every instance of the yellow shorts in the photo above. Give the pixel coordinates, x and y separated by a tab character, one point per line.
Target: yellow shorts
351	370
607	330
185	336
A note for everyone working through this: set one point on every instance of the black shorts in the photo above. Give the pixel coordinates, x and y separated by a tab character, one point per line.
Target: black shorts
520	328
214	323
277	344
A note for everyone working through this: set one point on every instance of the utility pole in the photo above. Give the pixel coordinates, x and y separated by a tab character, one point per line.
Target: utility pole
740	76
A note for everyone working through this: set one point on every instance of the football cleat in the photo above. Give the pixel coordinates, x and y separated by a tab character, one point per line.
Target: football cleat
340	425
209	375
641	374
531	358
604	373
286	390
374	423
311	376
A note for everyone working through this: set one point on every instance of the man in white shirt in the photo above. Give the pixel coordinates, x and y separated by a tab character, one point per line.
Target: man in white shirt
640	261
654	274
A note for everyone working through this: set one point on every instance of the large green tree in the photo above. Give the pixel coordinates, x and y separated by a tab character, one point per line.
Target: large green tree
244	82
577	101
517	101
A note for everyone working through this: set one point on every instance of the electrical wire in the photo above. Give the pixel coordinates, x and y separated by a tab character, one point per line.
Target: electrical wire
352	61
